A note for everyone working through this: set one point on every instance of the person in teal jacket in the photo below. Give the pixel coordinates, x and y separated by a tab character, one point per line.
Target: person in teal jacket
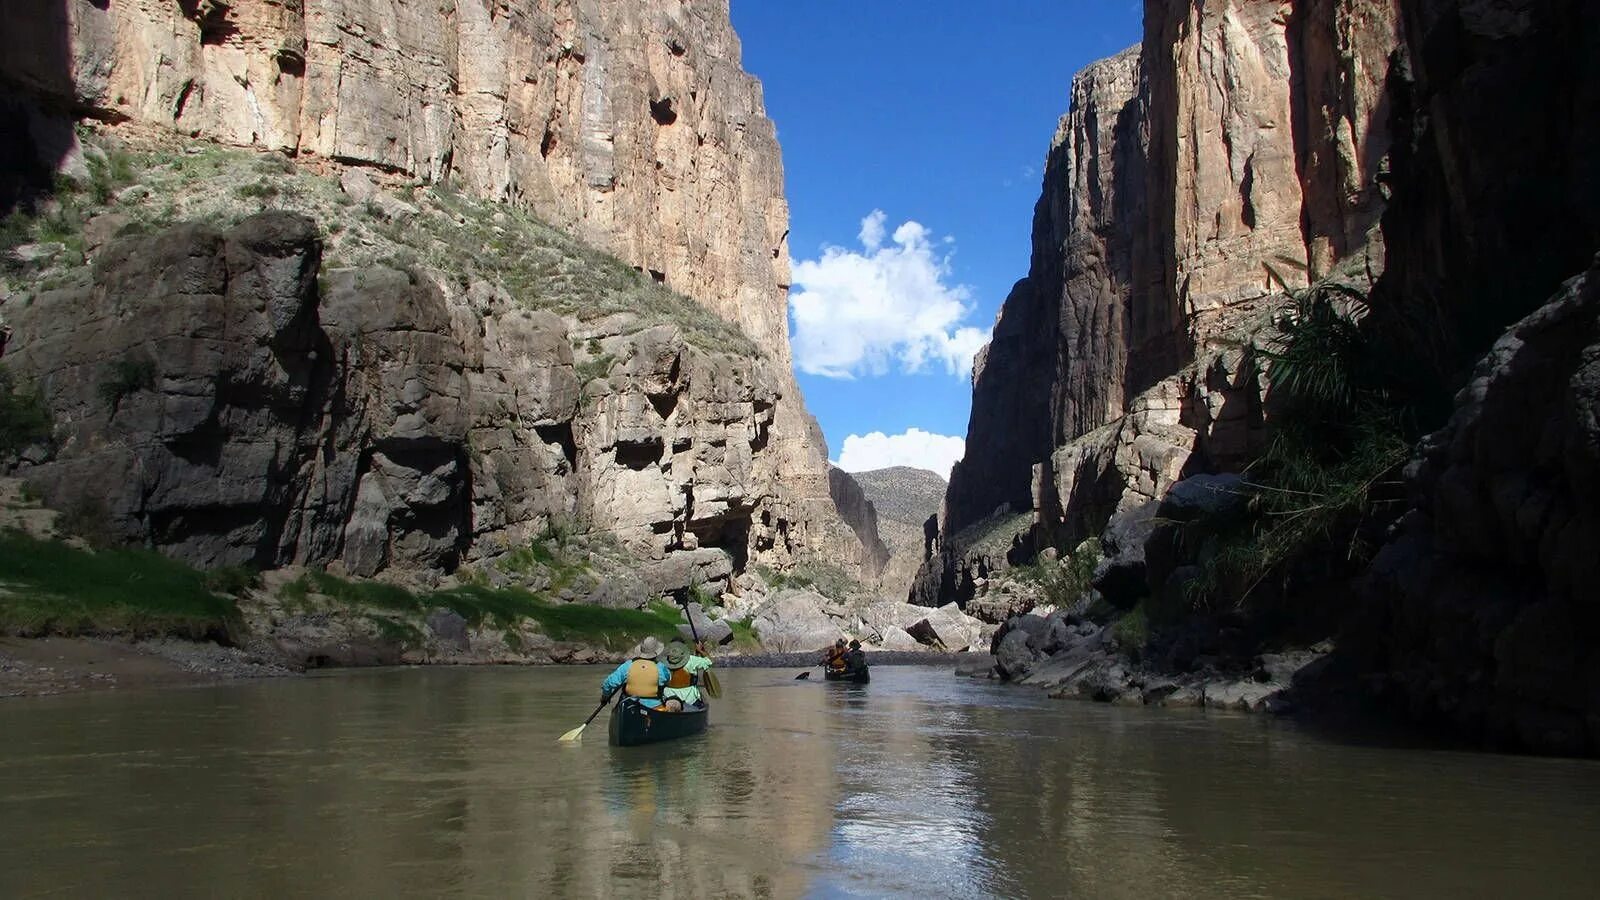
640	677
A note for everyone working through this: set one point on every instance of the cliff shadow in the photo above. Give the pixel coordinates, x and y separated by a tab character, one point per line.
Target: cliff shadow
37	100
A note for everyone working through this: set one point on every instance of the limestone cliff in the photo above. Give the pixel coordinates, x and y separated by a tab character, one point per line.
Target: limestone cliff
1228	157
629	125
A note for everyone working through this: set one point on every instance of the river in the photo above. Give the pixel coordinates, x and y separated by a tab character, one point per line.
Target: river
450	782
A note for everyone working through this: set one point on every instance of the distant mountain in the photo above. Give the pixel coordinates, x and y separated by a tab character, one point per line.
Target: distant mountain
904	498
903	494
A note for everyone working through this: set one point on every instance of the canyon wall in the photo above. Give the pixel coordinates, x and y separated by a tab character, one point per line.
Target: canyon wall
1482	607
1231	155
629	125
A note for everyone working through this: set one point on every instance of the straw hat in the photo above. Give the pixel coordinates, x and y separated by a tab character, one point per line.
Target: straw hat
649	648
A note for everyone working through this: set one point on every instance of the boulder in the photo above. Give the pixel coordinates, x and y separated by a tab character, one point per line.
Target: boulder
1014	656
620	592
793	621
1248	696
946	627
1208	497
687	568
1120	575
897	638
888	614
449	628
712	631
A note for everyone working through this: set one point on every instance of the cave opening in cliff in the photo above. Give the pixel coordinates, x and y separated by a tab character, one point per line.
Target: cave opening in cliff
662	111
638	455
729	534
560	434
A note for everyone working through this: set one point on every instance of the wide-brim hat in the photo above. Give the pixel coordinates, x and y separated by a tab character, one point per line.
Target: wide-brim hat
649	648
677	654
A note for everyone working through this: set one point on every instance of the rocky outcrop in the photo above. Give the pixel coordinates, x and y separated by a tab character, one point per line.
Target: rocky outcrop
859	513
215	399
1487	595
629	125
1230	156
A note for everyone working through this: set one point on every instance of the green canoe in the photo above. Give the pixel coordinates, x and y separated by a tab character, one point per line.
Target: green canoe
632	724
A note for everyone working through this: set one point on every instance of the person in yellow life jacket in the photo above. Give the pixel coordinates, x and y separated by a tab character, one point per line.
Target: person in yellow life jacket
640	677
683	676
833	657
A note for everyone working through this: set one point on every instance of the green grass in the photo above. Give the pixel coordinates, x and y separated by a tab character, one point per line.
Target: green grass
399	612
1132	631
48	587
744	637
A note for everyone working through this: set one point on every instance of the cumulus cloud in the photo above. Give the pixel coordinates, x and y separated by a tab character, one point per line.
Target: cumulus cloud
915	447
891	303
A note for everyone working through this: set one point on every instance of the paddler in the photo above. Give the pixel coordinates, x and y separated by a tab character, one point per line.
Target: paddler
683	676
833	657
641	677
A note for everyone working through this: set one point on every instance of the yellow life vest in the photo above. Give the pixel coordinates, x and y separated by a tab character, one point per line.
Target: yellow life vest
644	679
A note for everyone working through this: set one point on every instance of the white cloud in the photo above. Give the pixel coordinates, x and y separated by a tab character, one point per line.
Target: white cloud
860	312
917	448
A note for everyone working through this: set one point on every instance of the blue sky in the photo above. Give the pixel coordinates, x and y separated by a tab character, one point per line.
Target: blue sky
936	112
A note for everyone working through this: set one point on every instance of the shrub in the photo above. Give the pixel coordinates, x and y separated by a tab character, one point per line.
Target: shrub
1325	483
125	378
1063	581
24	418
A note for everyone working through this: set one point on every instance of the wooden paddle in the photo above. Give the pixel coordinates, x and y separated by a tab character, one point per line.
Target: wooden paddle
576	733
708	681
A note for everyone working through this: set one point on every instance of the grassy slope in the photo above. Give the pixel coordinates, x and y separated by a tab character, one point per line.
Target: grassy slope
407	225
51	587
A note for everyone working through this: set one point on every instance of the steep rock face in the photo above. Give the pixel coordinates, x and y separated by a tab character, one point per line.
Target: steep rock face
1488	593
630	125
1483	605
1496	195
859	512
623	123
214	400
1194	178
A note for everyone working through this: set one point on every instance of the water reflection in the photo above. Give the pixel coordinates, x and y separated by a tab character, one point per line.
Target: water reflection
415	783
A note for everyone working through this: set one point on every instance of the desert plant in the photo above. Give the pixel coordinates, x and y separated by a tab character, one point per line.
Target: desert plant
24	418
126	377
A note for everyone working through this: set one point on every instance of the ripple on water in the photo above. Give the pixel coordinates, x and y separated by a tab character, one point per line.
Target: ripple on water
412	783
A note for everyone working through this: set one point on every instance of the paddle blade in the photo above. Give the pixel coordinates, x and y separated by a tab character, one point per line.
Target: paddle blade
713	687
802	676
575	733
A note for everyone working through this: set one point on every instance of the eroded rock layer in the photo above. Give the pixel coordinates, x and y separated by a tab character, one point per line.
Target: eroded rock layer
217	399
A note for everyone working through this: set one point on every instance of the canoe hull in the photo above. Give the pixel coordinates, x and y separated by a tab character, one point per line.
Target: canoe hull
632	724
862	677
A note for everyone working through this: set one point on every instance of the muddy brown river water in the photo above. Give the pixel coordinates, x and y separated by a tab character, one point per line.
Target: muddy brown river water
449	782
